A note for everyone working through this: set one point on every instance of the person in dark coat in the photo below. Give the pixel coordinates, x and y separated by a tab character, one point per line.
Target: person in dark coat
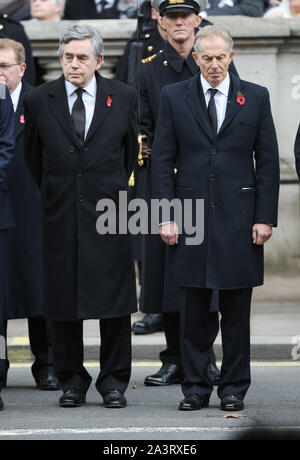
24	279
251	8
157	292
6	215
89	274
17	9
91	9
297	151
10	28
219	131
152	39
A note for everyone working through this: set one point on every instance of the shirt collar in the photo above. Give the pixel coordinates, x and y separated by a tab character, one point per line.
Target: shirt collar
90	88
223	86
15	96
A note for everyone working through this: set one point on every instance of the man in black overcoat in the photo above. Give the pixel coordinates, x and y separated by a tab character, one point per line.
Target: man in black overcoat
172	64
24	274
80	145
297	151
219	132
6	215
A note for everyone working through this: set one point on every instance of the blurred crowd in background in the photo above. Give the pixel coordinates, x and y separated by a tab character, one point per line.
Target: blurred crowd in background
54	10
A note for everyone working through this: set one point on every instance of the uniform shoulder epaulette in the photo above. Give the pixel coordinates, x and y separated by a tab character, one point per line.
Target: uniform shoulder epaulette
148	59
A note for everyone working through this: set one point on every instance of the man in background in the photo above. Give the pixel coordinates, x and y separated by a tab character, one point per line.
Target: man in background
6	214
25	297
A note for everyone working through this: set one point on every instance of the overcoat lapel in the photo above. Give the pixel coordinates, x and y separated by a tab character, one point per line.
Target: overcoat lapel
232	105
19	114
103	106
196	102
60	109
19	121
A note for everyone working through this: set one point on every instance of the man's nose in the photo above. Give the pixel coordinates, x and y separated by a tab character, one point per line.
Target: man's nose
74	62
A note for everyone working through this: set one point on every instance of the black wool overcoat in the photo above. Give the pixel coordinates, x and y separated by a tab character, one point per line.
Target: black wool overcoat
25	272
87	275
236	174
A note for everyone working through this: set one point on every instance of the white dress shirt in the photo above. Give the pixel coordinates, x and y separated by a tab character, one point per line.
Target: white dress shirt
221	97
88	98
15	96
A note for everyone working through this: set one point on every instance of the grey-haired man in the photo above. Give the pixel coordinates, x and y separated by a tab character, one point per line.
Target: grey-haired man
80	144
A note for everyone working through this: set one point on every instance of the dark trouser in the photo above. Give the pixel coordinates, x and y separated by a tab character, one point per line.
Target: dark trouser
115	355
3	258
40	339
234	307
172	354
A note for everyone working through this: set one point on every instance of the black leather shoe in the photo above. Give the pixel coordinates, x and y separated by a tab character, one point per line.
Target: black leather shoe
1	404
47	381
194	402
213	374
149	324
114	399
72	398
168	374
232	403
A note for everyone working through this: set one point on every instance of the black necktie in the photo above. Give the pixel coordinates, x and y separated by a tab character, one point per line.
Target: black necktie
78	114
212	111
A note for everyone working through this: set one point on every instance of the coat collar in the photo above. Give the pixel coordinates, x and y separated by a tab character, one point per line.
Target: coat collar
60	108
177	61
196	101
19	114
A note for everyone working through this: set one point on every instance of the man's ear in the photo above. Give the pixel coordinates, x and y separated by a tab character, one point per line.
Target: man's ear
195	56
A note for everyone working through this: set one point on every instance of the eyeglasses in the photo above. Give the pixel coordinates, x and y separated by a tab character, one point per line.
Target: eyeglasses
7	66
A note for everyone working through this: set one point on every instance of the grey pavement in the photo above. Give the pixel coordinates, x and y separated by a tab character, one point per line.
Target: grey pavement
275	324
272	405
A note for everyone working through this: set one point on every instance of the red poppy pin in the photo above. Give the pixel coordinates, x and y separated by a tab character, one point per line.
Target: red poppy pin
108	101
22	119
240	98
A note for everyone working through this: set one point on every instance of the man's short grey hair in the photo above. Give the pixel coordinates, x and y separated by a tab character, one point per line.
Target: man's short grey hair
209	31
63	4
81	33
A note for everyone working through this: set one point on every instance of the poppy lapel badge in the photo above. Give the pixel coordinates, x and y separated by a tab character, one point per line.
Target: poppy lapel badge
240	98
108	101
22	119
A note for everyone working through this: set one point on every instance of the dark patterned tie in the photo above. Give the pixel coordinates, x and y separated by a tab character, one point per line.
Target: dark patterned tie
78	114
212	111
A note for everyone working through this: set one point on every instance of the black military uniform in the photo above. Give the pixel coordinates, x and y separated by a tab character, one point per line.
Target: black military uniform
148	43
158	291
9	28
143	47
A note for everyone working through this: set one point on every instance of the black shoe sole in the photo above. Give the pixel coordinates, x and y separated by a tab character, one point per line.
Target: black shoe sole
162	384
232	408
114	406
70	404
48	388
186	409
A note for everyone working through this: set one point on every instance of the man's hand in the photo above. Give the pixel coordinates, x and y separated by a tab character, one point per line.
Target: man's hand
169	233
261	233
